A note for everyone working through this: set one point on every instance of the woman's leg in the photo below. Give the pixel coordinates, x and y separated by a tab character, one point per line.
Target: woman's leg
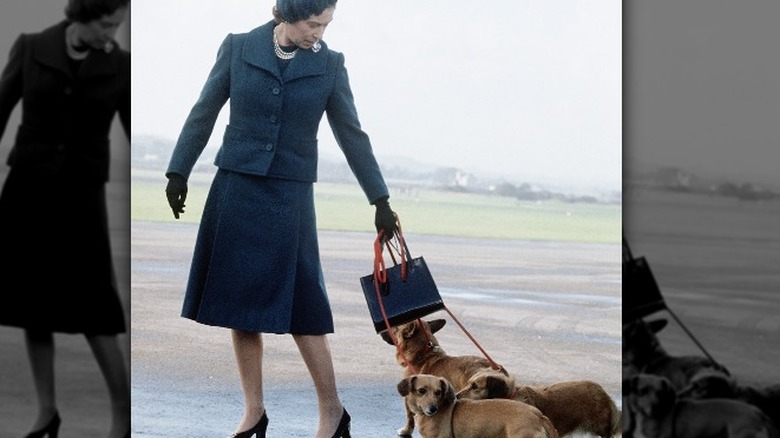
111	361
315	351
248	347
40	351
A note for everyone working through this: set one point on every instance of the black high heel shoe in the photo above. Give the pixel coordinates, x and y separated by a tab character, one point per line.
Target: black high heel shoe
343	430
258	430
51	429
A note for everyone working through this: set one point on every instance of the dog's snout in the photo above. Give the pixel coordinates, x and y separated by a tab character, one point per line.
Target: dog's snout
432	409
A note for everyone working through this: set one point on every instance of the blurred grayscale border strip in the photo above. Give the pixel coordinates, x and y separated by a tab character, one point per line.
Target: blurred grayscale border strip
17	397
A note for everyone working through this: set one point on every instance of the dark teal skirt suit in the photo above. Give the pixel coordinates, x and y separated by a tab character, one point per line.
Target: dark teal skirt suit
256	264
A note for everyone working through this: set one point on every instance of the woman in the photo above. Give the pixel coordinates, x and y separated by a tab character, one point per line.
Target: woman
256	266
72	79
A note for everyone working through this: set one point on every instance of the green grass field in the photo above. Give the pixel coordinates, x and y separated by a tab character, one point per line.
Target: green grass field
344	207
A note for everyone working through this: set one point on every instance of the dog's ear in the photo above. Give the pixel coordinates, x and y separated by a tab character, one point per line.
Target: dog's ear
496	387
447	392
716	386
408	330
405	386
657	325
668	395
386	337
436	325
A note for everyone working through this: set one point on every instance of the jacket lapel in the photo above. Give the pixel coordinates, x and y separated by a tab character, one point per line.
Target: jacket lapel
307	63
259	52
51	52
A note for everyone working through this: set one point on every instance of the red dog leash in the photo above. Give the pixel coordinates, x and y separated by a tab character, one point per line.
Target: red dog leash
380	276
493	364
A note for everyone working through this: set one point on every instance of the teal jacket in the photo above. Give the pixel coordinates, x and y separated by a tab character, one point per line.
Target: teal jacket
275	115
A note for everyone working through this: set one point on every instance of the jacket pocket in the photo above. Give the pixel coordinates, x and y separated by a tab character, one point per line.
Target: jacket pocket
245	152
32	150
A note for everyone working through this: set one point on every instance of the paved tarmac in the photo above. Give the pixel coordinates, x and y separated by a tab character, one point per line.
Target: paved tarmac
547	311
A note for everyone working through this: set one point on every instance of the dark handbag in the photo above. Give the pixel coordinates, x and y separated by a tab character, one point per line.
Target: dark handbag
641	294
401	293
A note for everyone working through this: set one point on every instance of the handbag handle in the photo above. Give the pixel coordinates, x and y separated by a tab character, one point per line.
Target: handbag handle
380	276
401	248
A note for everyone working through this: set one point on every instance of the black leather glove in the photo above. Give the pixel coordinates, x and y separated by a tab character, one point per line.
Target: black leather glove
176	191
385	218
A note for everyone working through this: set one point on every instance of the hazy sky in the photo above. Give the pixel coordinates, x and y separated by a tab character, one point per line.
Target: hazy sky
702	86
529	89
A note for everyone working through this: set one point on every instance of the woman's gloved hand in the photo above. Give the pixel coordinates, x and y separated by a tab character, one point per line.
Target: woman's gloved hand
385	219
176	191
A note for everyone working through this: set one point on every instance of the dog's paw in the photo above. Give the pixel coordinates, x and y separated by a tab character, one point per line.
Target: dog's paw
405	432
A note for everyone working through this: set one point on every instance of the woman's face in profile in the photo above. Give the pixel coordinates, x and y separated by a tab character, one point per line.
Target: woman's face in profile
305	33
98	33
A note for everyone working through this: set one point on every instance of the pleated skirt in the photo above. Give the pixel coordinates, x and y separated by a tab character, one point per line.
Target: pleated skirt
256	263
57	271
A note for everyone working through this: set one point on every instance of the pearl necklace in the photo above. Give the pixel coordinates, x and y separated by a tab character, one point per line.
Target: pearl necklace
81	53
73	52
281	54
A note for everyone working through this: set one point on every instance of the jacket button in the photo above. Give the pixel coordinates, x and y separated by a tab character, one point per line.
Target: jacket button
61	147
269	147
273	118
276	90
68	91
